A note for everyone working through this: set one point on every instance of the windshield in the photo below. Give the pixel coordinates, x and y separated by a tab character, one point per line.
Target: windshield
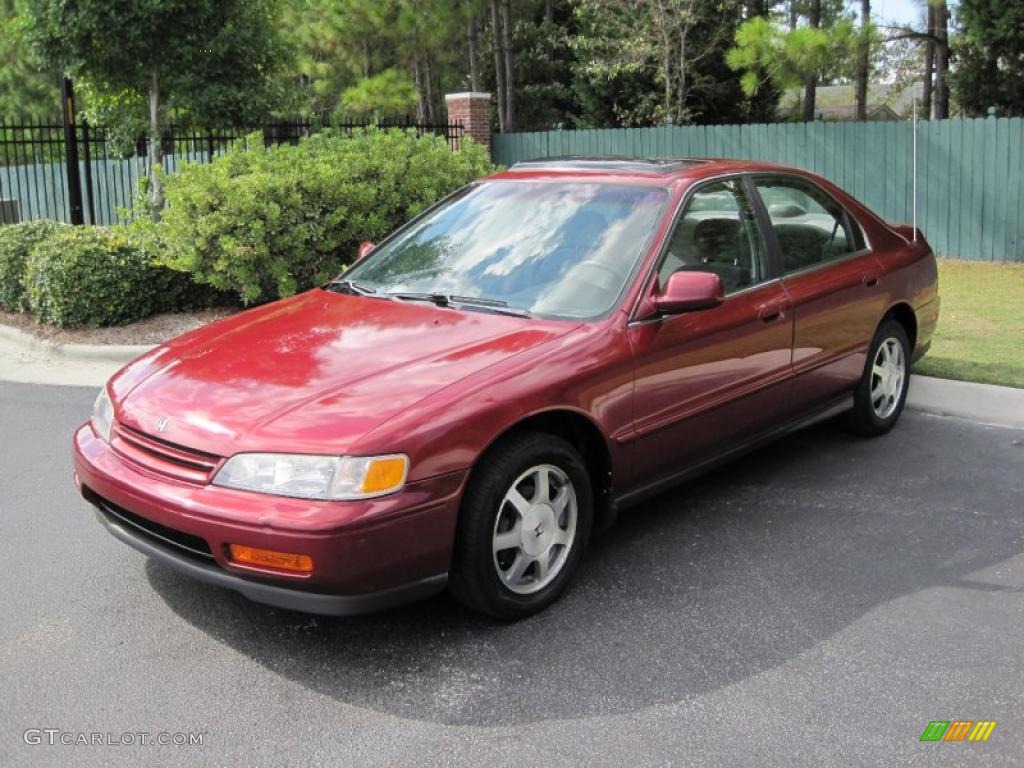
553	249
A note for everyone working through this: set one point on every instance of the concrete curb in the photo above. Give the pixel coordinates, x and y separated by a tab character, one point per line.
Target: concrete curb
985	403
26	343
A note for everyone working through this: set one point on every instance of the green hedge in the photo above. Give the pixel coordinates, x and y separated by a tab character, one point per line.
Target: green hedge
101	276
16	241
266	223
174	291
256	225
89	276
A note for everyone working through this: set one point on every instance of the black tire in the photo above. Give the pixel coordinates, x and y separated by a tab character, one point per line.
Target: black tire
474	577
865	419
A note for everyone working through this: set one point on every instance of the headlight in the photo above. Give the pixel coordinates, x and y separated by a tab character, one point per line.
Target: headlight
103	415
315	477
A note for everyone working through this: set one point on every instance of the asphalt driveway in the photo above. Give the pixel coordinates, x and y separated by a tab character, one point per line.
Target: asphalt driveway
816	603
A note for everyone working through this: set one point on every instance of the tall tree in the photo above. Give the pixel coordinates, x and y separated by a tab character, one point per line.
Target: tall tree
25	89
473	47
933	45
811	79
426	32
672	42
863	60
510	80
503	48
768	53
927	85
941	59
762	106
990	57
902	61
497	45
386	94
337	43
544	66
341	43
211	59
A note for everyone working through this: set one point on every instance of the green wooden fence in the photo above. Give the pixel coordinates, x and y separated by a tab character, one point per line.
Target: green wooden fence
970	172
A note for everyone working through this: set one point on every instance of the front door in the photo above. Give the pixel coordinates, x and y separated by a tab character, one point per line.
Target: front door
708	379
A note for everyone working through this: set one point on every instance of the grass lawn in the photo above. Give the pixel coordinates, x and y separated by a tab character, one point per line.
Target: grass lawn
980	336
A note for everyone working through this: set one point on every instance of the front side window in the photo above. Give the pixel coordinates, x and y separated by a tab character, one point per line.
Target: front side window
717	233
556	249
810	227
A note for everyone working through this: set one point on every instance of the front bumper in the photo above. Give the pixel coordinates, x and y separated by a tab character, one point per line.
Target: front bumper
367	555
270	594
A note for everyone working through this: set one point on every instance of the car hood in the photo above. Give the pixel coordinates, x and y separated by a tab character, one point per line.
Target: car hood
312	373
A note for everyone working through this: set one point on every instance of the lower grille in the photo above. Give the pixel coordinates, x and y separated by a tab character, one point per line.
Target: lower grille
192	545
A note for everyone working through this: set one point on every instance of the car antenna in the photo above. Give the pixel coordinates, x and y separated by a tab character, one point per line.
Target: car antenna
915	171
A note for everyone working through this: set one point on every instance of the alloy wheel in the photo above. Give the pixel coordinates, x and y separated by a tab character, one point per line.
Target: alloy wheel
535	529
888	376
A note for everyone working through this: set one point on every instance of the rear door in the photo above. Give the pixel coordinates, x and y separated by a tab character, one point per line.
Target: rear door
833	280
708	379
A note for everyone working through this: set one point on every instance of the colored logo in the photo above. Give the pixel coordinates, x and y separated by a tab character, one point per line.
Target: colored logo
958	730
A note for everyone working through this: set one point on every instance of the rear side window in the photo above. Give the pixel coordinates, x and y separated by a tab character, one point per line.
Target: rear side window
810	226
717	233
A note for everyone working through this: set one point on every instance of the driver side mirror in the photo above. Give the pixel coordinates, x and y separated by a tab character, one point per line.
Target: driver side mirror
688	292
365	248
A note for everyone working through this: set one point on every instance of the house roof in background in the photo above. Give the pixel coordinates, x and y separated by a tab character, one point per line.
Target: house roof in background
833	97
849	112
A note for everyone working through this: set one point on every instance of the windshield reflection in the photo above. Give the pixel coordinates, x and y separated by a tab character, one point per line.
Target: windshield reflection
555	249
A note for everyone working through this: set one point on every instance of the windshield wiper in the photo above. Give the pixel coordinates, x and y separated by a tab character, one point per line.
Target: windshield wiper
354	287
441	299
450	300
493	305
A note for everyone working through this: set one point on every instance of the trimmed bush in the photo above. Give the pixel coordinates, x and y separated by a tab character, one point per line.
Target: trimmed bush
174	291
91	276
266	223
178	292
16	241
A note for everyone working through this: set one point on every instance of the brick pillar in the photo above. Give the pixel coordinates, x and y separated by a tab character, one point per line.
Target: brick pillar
473	110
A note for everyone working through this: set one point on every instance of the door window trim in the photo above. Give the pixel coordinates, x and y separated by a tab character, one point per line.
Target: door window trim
767	262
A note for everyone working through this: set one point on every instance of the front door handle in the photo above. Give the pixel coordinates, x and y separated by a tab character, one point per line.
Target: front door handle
769	313
870	280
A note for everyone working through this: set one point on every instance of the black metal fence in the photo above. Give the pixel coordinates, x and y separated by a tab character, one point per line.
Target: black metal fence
35	161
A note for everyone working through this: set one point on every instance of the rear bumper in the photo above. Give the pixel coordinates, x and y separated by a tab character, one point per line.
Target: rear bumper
366	555
927	319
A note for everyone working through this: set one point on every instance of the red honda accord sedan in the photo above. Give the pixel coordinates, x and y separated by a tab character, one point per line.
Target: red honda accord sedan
494	382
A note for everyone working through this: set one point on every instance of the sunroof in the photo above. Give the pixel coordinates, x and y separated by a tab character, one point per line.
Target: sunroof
658	165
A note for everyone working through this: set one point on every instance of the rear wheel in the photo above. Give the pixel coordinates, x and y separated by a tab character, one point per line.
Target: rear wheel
525	519
882	392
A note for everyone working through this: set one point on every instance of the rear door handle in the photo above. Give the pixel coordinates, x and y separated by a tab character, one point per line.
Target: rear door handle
870	281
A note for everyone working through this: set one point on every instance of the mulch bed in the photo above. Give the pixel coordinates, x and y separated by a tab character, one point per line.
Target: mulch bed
152	330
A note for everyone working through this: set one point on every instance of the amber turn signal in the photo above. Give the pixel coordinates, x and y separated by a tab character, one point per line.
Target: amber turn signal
385	474
268	558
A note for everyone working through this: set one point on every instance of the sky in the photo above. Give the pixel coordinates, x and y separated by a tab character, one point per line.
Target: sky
896	11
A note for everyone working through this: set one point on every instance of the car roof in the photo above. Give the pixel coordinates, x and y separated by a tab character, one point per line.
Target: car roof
630	165
659	171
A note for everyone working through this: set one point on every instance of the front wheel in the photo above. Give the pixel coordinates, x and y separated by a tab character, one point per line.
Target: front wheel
525	520
879	398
